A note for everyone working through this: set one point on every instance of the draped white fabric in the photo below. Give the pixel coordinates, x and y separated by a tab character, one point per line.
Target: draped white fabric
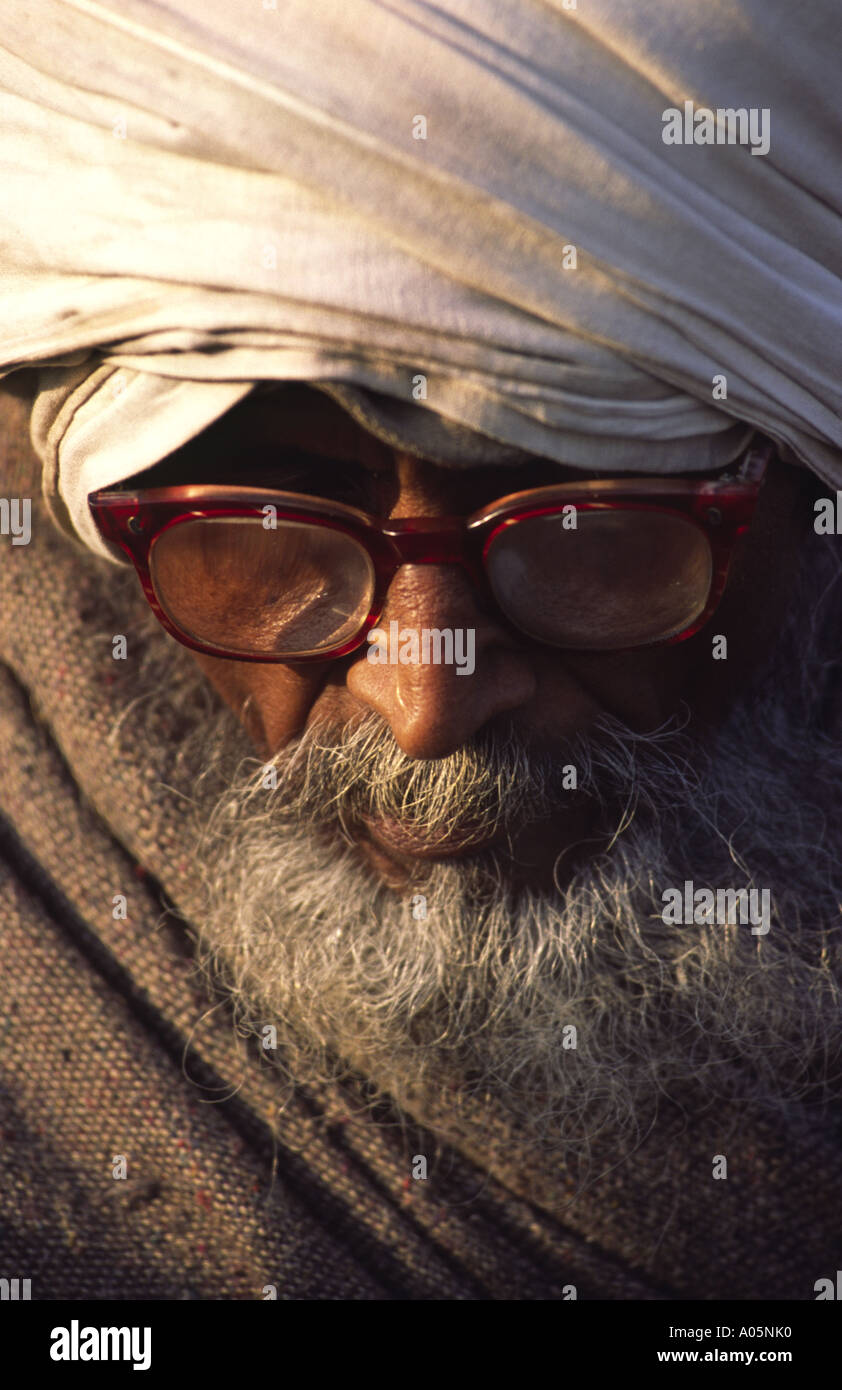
201	194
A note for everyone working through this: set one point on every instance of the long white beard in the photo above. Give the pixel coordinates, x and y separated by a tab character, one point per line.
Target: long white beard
576	1012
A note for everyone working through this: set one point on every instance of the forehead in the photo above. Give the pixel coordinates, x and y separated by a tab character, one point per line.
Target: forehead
297	416
275	430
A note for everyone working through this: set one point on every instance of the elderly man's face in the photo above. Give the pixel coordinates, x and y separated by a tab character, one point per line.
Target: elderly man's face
544	695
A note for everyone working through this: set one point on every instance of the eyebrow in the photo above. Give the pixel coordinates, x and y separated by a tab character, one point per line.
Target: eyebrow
192	463
260	460
297	454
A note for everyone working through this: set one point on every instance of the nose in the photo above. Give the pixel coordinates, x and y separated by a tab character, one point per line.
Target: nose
431	708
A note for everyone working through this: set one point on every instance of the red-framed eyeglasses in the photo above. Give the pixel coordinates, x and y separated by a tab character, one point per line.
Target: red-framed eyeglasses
251	574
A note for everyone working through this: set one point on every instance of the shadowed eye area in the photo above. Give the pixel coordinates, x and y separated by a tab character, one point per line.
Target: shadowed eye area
620	577
234	583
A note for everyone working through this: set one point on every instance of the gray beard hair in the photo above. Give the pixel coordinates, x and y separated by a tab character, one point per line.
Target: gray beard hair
459	989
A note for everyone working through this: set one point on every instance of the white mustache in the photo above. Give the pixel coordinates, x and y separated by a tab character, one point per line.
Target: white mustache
495	782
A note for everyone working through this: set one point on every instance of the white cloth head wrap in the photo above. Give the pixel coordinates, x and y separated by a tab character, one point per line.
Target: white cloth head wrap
201	195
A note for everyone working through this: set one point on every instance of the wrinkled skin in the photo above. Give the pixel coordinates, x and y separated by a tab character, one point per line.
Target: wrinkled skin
546	695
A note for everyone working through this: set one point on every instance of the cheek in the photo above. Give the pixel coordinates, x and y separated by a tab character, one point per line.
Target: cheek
641	688
272	702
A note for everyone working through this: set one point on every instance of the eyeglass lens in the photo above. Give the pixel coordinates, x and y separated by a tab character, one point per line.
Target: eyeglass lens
622	577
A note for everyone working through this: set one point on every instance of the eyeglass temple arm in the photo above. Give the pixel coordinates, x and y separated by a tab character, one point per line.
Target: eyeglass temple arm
754	464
